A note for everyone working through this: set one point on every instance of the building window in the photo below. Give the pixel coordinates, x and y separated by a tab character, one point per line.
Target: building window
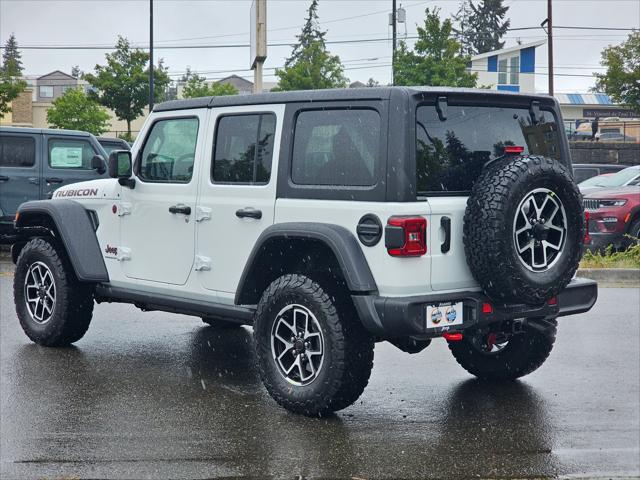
46	91
515	71
502	71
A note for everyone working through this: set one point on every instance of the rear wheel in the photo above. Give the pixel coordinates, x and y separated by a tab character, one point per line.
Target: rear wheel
314	356
53	307
495	354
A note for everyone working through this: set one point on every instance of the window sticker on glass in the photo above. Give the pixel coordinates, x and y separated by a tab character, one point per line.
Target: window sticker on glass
66	157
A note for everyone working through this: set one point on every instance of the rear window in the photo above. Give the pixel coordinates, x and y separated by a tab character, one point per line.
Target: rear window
17	151
451	153
336	147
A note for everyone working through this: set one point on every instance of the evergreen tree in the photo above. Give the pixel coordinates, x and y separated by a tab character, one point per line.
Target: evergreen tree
488	25
462	29
76	72
436	59
11	82
12	58
310	65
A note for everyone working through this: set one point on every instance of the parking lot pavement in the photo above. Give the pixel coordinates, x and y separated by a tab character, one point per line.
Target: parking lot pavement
154	395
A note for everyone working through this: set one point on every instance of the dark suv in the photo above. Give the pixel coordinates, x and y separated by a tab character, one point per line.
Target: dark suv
34	162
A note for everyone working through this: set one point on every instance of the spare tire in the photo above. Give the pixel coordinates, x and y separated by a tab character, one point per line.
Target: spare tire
524	229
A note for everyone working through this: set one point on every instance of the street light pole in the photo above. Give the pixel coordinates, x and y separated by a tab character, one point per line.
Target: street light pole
151	95
395	35
550	44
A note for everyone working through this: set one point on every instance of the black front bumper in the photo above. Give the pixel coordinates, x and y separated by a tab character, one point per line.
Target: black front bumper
390	317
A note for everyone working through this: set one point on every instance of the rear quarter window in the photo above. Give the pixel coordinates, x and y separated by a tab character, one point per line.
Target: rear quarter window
451	153
336	147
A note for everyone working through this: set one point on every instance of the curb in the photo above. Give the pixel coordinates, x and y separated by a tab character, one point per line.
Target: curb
628	277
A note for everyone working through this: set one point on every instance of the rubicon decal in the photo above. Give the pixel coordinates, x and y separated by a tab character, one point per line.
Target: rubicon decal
85	192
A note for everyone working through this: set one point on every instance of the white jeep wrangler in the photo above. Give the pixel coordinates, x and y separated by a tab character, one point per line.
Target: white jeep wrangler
327	220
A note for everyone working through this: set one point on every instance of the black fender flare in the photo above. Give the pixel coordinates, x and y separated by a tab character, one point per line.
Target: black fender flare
75	230
339	240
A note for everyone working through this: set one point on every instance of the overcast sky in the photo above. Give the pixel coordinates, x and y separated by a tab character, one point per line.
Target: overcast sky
219	22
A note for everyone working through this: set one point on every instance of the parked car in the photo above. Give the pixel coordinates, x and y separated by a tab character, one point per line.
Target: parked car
34	162
613	214
628	176
110	144
584	171
616	137
328	220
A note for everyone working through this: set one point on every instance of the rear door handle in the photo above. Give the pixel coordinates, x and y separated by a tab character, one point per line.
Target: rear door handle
54	180
249	213
4	178
183	209
34	180
445	223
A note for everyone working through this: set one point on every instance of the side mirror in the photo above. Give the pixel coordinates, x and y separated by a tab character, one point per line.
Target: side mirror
120	164
97	163
120	167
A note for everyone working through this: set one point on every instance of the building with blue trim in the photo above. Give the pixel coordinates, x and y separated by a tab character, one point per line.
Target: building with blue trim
511	69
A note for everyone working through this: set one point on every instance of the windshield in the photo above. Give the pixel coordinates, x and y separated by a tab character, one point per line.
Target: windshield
594	181
451	153
618	179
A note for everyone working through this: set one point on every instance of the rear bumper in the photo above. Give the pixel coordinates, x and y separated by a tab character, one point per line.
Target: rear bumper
391	317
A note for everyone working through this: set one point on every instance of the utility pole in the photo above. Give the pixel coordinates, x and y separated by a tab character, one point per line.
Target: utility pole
395	35
550	44
151	96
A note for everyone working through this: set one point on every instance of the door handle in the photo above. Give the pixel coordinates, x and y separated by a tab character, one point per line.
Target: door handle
34	180
4	178
183	209
249	213
54	180
445	223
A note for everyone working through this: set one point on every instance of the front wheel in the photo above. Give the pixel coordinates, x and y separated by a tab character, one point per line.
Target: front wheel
493	354
54	309
312	357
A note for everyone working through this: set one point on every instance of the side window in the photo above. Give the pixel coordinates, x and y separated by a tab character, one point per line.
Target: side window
17	151
244	148
169	151
336	147
582	174
68	153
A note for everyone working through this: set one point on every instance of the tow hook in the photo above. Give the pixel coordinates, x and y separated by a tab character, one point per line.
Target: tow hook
452	337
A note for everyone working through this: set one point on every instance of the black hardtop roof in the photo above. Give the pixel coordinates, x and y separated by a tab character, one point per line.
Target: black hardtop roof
49	131
338	94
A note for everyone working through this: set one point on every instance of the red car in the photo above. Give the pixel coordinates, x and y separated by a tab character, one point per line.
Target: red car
613	213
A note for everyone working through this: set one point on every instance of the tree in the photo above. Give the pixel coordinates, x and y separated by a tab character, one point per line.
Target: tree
74	110
372	83
622	79
436	59
487	26
11	82
76	72
123	83
311	66
197	87
462	29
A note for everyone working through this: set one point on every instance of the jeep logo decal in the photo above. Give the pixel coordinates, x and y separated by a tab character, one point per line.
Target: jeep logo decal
87	192
111	250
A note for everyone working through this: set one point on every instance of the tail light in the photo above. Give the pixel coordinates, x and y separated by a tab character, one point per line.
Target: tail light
587	237
406	236
513	150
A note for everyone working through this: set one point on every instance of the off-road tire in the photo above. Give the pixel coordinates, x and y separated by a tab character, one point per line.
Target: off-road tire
488	229
524	353
348	351
73	307
221	324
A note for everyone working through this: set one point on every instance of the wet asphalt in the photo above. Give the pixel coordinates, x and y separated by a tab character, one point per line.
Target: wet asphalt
155	395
